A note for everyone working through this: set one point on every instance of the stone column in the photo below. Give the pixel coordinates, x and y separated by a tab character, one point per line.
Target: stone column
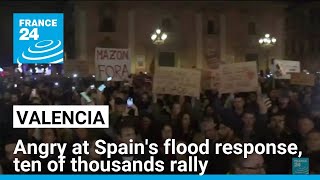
81	33
223	38
131	40
199	40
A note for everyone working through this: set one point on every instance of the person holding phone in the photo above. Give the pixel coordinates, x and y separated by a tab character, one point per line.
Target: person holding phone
131	106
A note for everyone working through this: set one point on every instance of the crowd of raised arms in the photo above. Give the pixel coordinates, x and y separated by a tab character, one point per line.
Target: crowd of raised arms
284	114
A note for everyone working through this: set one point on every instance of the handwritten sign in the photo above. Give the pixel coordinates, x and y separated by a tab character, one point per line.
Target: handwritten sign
113	63
210	79
302	79
238	77
177	81
283	68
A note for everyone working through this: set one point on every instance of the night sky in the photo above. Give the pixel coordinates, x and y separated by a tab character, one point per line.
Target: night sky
7	8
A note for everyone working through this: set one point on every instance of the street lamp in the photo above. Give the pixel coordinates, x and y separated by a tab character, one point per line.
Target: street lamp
267	41
158	38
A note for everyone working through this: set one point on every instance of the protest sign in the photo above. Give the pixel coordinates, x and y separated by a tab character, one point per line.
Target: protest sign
141	62
113	63
238	77
302	79
74	66
210	79
177	81
282	68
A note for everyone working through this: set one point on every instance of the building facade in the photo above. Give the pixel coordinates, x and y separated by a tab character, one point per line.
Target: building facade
200	34
302	41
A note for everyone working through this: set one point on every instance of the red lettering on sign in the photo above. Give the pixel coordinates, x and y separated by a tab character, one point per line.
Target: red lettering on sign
125	70
116	71
125	55
102	54
107	54
109	71
112	56
101	69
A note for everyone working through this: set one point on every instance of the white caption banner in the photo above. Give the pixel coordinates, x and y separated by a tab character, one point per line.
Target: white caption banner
60	116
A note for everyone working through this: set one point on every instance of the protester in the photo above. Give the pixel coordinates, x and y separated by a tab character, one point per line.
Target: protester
136	114
254	164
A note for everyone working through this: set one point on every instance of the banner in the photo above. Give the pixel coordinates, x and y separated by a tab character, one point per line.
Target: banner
113	63
238	77
210	79
282	68
177	81
302	79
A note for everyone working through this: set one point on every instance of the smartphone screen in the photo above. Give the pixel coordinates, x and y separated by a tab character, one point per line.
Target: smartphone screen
130	102
109	78
101	87
85	96
33	93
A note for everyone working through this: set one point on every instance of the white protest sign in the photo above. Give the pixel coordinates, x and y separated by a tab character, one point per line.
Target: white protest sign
113	63
238	77
302	79
177	81
210	79
282	68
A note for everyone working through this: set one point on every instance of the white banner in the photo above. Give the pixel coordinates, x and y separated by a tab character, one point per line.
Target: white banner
113	63
62	116
177	81
282	68
238	77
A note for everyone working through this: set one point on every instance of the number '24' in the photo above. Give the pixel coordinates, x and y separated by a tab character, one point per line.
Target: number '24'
26	35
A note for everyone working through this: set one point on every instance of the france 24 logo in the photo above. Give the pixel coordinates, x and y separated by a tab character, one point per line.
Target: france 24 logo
38	38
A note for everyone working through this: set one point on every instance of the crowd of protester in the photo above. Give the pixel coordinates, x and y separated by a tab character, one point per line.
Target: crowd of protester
291	116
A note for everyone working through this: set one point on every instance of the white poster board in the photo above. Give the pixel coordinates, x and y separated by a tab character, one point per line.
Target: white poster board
238	77
110	62
177	81
282	68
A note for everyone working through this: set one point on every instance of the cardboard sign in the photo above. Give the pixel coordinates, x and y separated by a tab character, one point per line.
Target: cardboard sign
282	68
210	79
302	79
113	63
238	77
177	81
